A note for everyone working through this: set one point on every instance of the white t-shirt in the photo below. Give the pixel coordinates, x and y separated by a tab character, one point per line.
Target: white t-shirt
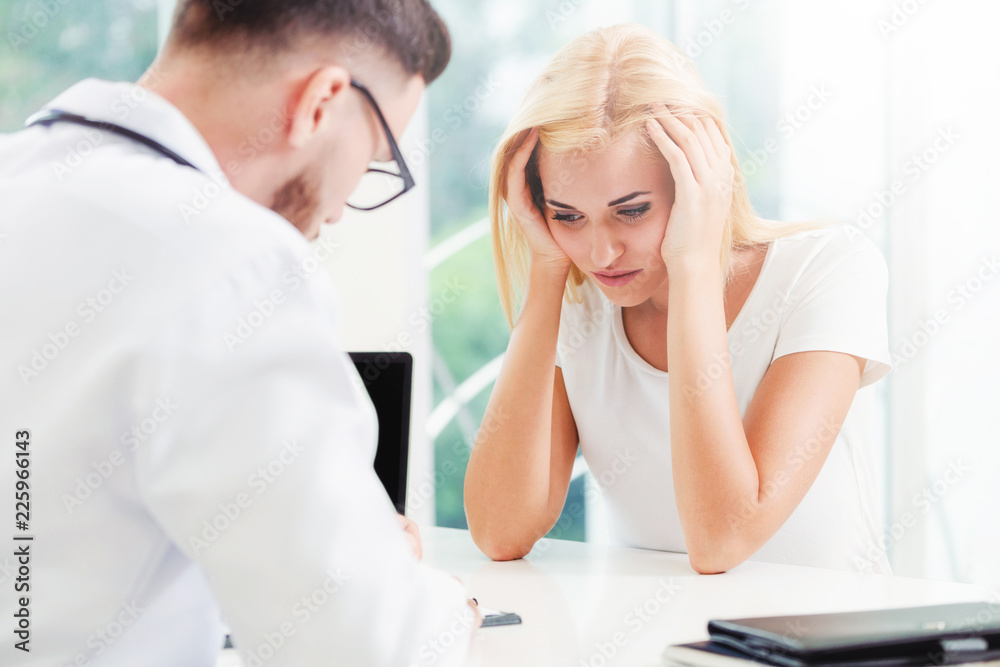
817	290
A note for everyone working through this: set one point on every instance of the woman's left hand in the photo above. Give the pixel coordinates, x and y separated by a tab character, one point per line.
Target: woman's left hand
700	162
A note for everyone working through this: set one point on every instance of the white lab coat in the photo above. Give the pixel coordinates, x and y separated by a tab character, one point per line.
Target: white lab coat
198	442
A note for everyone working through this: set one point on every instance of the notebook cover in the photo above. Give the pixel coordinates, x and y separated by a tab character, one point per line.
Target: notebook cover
713	654
939	634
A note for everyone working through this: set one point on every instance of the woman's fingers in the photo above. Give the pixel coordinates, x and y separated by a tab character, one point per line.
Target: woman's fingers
519	194
521	204
722	149
708	149
528	140
680	169
685	138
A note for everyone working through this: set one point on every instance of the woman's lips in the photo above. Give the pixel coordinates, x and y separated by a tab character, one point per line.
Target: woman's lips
617	279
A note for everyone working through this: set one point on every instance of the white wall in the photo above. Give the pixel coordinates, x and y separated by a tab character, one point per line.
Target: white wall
377	265
902	73
945	66
833	152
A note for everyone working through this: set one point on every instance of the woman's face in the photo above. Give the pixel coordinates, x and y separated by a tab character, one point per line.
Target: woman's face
608	212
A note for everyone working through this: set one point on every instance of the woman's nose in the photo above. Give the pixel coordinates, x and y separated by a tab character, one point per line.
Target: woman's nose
605	247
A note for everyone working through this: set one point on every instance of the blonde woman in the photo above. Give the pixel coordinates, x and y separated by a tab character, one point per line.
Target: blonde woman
704	360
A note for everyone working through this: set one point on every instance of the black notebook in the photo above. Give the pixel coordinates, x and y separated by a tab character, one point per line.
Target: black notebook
932	635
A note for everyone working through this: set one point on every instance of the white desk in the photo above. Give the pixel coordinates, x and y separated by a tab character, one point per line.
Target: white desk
576	599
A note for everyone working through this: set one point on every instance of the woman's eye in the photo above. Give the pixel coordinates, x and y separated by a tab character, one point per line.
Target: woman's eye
566	217
635	213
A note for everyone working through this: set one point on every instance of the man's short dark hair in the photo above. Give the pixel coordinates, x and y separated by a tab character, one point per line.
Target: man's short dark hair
408	31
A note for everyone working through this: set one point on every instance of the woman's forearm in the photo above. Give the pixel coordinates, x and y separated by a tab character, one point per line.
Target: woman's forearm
713	469
507	482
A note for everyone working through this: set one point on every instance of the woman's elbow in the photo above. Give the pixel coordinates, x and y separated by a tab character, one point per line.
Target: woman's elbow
706	563
501	536
714	556
505	552
498	540
500	548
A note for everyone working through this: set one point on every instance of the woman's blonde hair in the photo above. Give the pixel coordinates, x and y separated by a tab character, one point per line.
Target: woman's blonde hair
596	90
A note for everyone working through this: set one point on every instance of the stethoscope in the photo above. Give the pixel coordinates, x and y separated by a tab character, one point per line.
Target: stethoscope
56	116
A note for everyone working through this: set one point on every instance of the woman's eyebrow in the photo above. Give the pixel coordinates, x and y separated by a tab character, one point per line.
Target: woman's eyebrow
622	200
555	204
626	198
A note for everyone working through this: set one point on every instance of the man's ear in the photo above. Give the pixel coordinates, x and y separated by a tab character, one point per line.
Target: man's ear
322	96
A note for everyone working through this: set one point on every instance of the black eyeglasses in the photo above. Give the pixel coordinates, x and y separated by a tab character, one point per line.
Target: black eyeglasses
380	186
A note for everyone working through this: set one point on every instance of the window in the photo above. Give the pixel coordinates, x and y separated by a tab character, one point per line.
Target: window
831	106
500	48
49	46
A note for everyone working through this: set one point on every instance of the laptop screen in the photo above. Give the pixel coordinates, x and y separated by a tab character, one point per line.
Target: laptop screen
388	378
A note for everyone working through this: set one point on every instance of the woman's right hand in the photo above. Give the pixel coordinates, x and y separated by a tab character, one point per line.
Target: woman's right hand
543	247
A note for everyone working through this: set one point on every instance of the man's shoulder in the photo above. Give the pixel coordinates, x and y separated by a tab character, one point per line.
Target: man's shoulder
182	230
194	220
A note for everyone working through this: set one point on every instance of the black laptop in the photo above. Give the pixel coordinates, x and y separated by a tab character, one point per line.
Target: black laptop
388	377
930	635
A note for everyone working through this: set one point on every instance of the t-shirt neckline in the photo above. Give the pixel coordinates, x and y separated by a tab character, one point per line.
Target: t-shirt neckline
631	354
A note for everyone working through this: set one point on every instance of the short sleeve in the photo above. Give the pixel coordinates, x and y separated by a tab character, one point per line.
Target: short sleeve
559	362
839	304
564	313
574	315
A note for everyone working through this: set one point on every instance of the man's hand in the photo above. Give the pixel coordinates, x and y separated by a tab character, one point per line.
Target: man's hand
413	532
472	602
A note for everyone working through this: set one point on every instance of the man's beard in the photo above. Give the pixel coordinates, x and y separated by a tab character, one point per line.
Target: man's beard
298	199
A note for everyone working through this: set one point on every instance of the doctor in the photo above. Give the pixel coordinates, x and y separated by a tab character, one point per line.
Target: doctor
187	442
